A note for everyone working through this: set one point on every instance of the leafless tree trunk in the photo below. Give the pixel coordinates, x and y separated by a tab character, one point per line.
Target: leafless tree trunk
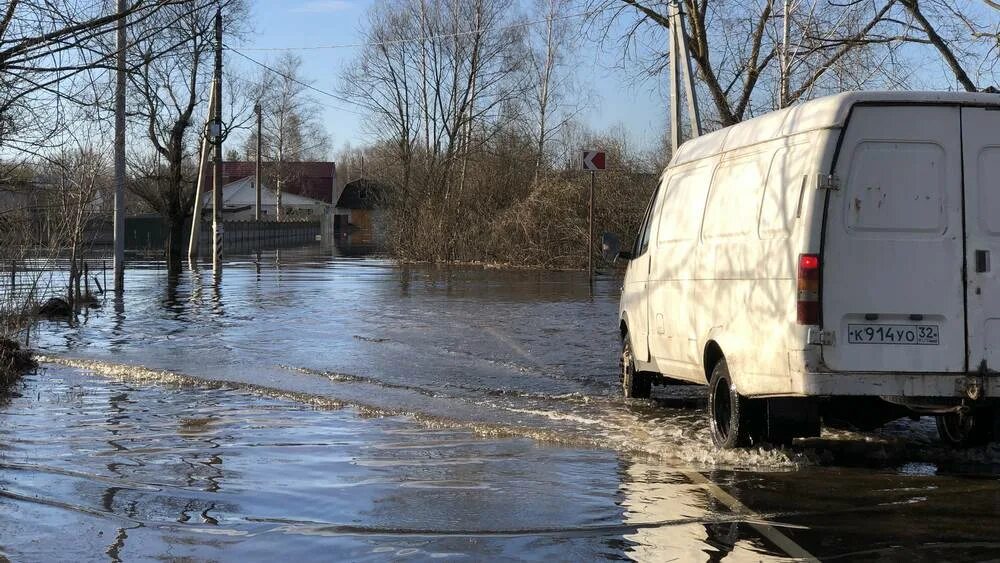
170	83
941	45
291	131
547	55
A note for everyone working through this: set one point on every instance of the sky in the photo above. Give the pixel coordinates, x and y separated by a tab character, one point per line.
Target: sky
613	98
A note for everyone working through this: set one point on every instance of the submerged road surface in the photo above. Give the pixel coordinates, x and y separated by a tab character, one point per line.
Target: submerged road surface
330	408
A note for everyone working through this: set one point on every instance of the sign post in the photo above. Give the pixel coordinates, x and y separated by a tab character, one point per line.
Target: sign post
593	160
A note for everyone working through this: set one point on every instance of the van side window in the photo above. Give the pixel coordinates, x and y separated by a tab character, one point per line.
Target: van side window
684	204
642	238
783	197
734	202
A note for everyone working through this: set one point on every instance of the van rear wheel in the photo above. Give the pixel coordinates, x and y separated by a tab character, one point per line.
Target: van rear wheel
735	420
967	429
635	384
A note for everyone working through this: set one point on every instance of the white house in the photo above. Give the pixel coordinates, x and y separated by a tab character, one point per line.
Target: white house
239	200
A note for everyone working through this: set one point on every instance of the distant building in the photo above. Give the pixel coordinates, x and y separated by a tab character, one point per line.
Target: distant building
360	204
316	180
239	202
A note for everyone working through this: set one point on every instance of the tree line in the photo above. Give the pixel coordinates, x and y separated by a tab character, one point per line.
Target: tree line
57	91
476	111
57	63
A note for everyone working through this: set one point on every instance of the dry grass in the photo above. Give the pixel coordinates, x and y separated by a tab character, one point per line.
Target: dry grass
14	361
498	213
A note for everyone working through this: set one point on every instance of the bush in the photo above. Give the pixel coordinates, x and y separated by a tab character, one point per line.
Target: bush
490	207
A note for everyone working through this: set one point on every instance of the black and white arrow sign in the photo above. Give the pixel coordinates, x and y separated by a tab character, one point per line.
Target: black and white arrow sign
593	160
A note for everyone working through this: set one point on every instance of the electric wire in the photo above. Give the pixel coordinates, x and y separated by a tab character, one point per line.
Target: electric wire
291	78
240	51
436	36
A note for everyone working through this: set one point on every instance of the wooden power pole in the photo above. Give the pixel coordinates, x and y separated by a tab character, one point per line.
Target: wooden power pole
256	179
278	182
217	228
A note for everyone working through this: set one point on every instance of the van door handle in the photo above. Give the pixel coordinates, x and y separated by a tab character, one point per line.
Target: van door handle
982	261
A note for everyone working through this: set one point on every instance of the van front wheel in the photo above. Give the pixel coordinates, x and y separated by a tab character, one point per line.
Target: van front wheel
735	421
635	384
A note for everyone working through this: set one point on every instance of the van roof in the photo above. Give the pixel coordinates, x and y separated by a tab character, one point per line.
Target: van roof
822	113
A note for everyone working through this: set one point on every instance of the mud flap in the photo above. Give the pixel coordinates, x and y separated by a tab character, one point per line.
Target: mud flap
788	418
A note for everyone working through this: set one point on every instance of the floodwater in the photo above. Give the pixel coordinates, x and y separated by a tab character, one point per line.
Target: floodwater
323	407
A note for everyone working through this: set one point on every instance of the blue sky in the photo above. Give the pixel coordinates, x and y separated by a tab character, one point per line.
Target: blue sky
639	109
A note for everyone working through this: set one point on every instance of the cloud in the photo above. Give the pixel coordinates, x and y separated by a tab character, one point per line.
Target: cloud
323	6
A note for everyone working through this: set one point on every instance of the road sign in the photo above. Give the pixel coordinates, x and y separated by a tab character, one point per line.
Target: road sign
593	160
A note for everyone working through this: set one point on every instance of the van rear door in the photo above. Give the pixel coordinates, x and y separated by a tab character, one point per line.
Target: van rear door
893	252
981	155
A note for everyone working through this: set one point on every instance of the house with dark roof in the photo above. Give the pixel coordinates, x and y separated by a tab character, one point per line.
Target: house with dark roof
359	208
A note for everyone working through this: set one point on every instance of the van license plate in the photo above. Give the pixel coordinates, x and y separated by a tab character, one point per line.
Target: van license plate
893	334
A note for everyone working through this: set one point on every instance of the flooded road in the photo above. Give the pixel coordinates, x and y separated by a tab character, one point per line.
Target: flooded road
327	407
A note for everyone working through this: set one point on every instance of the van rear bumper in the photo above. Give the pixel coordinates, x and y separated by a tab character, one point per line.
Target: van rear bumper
970	386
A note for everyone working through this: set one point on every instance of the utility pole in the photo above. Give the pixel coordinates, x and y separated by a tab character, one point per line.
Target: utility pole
783	94
256	180
680	65
199	191
278	182
119	218
675	111
217	228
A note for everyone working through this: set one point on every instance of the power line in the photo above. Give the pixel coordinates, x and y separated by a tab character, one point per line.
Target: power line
291	78
392	42
434	37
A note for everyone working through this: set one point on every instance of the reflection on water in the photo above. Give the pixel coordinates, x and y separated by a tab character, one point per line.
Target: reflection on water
155	471
95	469
528	353
483	419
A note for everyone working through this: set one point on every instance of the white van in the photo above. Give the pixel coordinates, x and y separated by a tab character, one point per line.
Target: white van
830	260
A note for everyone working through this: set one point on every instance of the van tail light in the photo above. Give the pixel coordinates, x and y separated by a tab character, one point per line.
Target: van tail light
808	304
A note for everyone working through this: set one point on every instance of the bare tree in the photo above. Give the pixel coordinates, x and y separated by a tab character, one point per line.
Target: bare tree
379	80
76	178
52	53
550	76
754	57
55	66
172	75
966	39
441	72
292	130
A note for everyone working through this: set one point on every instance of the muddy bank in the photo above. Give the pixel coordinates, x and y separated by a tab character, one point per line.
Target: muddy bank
14	362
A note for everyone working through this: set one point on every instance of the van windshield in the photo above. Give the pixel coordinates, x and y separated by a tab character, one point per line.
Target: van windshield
642	238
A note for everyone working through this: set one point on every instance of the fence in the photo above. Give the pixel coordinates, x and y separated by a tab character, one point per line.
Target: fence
27	282
148	234
245	236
